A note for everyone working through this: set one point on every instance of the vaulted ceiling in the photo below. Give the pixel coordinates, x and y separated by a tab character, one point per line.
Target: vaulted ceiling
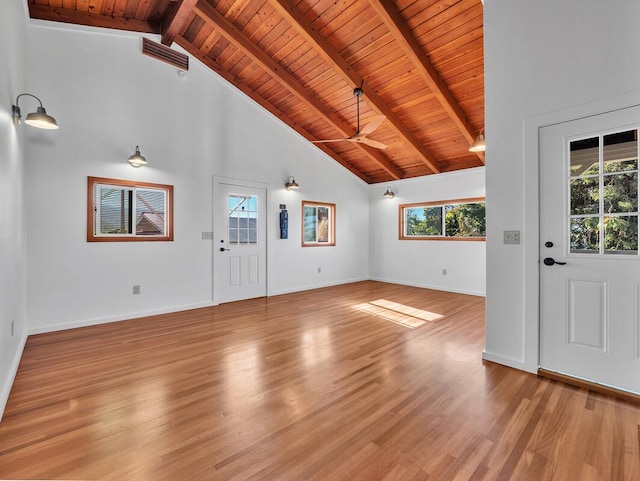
419	63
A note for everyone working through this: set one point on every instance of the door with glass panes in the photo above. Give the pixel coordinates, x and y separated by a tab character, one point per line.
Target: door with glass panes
589	264
239	242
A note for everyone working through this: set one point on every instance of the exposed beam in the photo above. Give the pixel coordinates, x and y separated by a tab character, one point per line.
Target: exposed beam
400	31
211	15
67	15
330	55
175	18
242	86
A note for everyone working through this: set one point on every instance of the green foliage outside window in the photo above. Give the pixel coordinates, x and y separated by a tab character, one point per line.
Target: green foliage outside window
444	220
425	221
465	220
613	219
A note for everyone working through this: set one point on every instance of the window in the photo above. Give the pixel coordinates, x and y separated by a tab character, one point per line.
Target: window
122	210
461	219
603	194
318	224
243	220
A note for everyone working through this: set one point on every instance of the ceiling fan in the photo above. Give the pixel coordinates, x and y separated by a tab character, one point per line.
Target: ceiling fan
361	135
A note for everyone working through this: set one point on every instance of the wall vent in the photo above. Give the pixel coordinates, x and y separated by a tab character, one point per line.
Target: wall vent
159	51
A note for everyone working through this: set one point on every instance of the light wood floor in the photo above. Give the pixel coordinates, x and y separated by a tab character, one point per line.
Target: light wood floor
329	384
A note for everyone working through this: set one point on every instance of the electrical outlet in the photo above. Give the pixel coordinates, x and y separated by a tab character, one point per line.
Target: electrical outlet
136	289
319	270
511	237
444	272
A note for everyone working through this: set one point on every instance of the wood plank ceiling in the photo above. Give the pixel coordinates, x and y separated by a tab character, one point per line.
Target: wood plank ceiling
420	63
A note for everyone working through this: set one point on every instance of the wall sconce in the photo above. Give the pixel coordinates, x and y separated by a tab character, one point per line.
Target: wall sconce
39	118
388	194
291	184
137	160
478	145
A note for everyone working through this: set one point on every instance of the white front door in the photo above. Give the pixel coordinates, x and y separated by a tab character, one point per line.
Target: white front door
589	264
239	241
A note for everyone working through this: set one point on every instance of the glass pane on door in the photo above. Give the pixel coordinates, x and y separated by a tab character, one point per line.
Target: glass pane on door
243	219
603	194
621	234
585	235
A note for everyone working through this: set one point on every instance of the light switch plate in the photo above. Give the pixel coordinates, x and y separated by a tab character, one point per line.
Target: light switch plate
511	237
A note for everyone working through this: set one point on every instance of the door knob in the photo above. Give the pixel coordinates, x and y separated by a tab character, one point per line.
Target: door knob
222	249
549	261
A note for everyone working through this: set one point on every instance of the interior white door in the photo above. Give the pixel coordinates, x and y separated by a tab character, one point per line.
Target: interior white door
240	243
589	263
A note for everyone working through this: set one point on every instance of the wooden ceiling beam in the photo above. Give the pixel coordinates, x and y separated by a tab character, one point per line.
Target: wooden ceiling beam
67	15
400	31
288	10
243	87
210	14
175	18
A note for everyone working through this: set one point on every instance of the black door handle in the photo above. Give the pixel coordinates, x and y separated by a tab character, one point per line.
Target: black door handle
222	249
549	261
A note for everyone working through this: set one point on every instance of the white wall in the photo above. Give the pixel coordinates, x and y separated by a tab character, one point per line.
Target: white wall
420	263
107	98
13	29
545	62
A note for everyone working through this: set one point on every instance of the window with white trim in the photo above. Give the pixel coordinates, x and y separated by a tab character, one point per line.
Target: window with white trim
603	194
243	220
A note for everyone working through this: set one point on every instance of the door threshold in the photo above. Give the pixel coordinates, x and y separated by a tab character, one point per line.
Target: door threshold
590	385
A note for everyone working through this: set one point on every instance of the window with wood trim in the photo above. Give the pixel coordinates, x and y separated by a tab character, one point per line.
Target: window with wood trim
318	224
460	219
128	211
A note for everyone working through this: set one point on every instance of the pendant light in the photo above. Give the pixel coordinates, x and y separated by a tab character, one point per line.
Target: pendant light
478	145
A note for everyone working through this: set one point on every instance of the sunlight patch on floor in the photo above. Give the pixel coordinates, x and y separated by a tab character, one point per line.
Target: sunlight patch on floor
407	316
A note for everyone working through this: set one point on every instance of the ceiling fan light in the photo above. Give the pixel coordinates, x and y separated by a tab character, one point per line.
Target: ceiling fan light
137	160
478	145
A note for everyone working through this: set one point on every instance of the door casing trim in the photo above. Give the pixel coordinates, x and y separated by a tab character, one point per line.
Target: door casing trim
531	236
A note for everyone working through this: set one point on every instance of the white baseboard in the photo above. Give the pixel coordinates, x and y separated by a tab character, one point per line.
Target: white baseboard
504	360
315	286
430	286
123	317
11	375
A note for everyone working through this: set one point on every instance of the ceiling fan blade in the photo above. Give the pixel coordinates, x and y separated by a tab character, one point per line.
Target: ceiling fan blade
373	124
373	143
325	141
361	139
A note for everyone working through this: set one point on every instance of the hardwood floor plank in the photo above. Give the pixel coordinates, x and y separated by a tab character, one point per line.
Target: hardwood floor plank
329	384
